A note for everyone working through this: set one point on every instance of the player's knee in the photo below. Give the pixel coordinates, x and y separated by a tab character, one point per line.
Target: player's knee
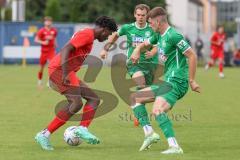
133	98
95	100
76	105
157	110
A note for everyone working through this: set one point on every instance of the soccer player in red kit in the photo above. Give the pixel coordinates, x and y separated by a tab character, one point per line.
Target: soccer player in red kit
46	36
63	78
217	50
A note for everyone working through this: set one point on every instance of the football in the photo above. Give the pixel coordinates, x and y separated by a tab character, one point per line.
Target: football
70	138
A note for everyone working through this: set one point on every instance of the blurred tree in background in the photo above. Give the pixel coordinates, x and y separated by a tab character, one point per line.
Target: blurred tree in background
53	9
35	9
85	11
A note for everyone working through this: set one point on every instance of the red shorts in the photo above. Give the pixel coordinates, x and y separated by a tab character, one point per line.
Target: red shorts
217	54
46	56
55	76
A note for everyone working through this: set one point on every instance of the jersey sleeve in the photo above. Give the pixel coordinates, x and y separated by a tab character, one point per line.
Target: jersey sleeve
214	37
179	41
153	39
123	30
81	39
40	34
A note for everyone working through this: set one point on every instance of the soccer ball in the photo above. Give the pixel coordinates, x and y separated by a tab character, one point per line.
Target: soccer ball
70	138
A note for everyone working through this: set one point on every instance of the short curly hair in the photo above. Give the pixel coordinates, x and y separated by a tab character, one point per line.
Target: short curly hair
106	22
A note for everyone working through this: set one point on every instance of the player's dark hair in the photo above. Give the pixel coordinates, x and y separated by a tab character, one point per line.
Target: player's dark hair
48	18
106	22
219	26
142	7
157	11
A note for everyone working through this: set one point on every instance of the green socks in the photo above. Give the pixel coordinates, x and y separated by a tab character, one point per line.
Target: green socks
141	114
165	124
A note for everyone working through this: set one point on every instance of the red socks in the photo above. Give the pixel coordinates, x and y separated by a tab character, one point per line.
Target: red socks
88	115
63	116
40	75
220	67
58	121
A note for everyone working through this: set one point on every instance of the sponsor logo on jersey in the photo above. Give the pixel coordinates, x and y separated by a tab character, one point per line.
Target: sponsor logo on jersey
162	56
137	40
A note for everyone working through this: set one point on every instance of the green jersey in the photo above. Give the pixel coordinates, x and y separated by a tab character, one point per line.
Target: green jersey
135	36
171	49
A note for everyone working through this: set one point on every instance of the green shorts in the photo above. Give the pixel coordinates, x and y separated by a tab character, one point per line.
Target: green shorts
148	69
178	89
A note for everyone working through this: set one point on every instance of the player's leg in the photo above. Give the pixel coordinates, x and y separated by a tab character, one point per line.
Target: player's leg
50	56
138	100
163	103
42	62
221	64
91	105
89	110
160	109
139	79
212	60
74	105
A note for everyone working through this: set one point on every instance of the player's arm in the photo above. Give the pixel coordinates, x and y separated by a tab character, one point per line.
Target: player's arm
151	53
143	46
214	40
192	62
38	40
111	40
183	47
64	61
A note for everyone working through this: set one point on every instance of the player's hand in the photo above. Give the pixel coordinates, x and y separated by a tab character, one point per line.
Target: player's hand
135	56
46	42
103	54
148	54
65	80
194	86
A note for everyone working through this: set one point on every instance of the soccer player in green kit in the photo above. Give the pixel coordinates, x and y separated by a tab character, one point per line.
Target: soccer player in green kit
180	64
143	72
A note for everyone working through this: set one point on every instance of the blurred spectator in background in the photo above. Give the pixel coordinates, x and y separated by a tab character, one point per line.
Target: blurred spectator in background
236	58
199	47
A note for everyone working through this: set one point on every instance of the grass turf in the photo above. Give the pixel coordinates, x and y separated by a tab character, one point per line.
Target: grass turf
206	124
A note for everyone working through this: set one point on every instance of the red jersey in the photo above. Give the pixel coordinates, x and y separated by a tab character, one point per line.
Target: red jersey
50	35
219	38
82	42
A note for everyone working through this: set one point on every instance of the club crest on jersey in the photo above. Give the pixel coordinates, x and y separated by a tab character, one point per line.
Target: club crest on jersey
163	44
147	34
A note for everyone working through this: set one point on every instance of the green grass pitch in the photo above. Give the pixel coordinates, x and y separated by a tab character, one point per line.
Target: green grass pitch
207	125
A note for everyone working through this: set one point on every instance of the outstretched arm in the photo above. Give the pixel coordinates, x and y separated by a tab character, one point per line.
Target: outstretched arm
64	63
151	53
192	60
111	40
136	52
